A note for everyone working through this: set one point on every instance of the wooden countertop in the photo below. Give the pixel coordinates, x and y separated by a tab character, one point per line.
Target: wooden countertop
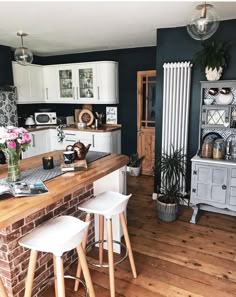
104	128
14	209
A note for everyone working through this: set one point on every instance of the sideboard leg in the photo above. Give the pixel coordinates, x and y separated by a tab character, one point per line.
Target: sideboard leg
196	214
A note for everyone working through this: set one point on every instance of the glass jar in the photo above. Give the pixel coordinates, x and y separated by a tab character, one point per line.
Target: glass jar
219	149
207	148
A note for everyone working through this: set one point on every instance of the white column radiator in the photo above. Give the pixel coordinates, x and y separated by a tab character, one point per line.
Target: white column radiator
175	116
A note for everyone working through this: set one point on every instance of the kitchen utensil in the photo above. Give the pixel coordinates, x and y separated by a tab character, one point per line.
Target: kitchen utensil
69	157
81	125
213	91
30	121
225	97
79	149
86	116
212	136
208	101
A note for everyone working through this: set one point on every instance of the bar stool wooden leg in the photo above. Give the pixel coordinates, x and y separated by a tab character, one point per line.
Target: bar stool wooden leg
3	292
101	238
128	244
110	257
60	277
30	274
85	270
78	272
55	274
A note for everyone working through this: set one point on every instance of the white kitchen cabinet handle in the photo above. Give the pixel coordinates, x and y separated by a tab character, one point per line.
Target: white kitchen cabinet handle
93	140
70	134
73	92
70	140
98	93
124	182
47	93
33	140
77	92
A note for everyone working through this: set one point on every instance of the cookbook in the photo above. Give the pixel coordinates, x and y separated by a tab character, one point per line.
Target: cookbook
21	188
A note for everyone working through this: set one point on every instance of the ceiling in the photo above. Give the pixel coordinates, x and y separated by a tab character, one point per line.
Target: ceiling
63	27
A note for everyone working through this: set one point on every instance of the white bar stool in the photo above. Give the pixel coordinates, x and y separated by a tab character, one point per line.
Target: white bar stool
3	292
57	236
107	205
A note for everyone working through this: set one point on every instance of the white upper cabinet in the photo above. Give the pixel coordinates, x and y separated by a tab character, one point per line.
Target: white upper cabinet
92	83
107	82
50	91
29	83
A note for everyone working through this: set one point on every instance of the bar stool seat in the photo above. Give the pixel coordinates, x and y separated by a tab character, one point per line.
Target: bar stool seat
108	204
57	236
3	292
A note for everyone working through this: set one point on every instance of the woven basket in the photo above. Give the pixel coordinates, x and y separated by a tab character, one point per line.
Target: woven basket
167	212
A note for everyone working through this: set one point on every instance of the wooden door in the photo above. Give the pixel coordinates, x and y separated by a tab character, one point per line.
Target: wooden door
146	102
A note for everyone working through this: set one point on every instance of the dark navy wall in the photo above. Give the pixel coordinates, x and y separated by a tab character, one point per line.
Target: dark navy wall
6	77
175	45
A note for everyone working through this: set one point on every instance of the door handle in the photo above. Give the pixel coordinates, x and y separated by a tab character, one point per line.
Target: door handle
224	187
47	93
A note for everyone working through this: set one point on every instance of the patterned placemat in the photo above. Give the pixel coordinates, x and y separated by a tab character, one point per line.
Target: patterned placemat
38	173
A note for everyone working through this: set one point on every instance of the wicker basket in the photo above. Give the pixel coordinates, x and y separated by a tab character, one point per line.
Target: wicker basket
167	212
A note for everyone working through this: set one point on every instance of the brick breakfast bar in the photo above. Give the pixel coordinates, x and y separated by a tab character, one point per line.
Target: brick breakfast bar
18	216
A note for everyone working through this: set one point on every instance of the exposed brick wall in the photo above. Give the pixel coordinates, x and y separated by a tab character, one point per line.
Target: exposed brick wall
14	259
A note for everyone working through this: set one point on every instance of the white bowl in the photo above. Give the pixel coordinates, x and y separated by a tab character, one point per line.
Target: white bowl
224	99
208	101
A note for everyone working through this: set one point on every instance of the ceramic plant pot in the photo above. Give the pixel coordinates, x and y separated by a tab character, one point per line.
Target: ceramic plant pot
133	171
213	74
167	212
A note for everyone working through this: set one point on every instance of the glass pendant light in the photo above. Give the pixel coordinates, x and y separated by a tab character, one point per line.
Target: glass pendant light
23	55
204	22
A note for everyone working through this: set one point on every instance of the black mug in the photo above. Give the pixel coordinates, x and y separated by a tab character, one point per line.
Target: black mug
69	157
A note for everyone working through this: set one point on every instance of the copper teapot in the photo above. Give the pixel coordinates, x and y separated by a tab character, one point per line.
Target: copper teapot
80	150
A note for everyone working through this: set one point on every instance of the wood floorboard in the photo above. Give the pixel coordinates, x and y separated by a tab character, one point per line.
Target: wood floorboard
175	259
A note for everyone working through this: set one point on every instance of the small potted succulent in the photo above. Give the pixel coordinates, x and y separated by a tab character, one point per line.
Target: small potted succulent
213	58
134	165
172	168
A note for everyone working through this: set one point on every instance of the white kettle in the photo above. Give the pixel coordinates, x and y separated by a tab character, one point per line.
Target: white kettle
30	121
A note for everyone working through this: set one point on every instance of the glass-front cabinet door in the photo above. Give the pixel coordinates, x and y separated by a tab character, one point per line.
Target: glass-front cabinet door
65	82
88	89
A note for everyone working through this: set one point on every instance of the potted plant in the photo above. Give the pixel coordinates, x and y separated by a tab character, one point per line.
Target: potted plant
134	165
172	168
213	58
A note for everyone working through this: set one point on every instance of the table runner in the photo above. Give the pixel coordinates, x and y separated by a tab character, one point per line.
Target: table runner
38	173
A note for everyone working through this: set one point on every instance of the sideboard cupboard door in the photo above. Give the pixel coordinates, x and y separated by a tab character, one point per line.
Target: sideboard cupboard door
209	183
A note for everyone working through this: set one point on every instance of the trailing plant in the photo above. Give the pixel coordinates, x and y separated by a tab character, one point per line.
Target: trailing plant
172	168
213	55
135	160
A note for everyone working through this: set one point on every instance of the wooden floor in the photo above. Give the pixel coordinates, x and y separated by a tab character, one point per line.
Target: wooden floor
172	259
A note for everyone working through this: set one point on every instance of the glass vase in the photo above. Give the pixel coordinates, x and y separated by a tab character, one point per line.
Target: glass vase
13	163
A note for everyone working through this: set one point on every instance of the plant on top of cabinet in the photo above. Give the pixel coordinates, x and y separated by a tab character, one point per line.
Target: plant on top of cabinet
172	168
213	58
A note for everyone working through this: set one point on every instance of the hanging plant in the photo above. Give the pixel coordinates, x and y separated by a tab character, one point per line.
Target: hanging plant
213	58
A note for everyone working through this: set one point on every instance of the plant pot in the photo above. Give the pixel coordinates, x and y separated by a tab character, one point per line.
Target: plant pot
213	74
133	171
167	212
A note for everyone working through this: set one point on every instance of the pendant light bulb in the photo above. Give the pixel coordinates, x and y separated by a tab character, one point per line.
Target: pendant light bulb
23	55
204	22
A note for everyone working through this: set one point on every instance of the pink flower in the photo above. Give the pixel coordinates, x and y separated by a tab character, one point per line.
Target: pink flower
11	144
25	138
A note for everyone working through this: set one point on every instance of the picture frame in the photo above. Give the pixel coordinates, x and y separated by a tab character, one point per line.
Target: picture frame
111	115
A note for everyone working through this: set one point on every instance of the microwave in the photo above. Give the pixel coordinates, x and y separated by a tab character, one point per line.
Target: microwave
45	118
